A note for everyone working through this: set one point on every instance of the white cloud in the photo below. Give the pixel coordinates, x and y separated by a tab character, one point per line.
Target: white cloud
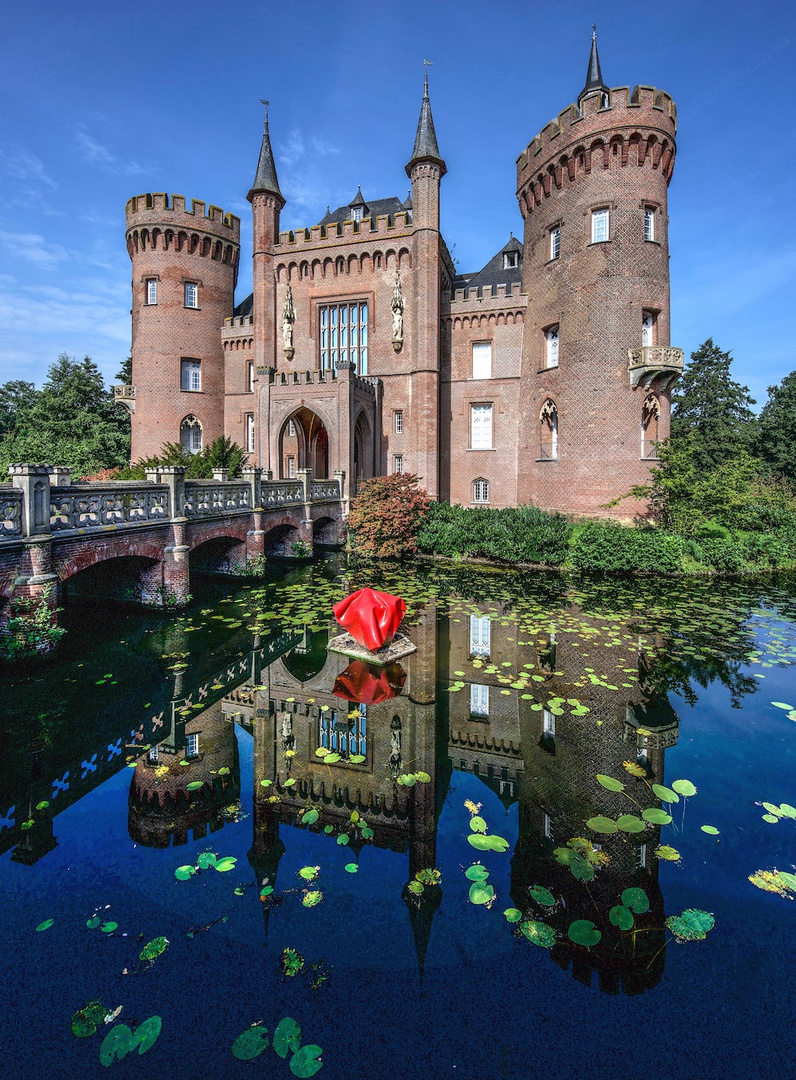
34	248
103	158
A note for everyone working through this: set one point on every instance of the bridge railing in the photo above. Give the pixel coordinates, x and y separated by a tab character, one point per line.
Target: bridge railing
10	512
83	507
209	498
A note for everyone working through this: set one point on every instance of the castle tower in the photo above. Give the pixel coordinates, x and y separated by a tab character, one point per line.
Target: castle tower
596	363
267	202
426	169
185	264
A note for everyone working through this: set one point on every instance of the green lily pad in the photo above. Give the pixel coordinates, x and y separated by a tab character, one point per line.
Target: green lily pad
542	895
776	881
343	839
225	864
583	932
415	887
309	817
692	925
684	788
306	1061
206	860
309	873
477	824
292	963
351	867
108	927
328	829
665	794
86	1020
312	898
711	830
487	843
153	948
357	759
621	917
266	783
772	819
407	780
93	922
250	1043
476	872
224	770
512	914
609	783
287	1036
117	1044
183	873
636	899
290	782
630	823
42	805
331	759
366	832
321	752
786	810
146	1034
670	854
194	785
655	816
538	933
601	824
783	705
481	893
44	925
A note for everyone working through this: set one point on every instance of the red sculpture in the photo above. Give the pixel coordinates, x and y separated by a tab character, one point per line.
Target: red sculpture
370	617
368	684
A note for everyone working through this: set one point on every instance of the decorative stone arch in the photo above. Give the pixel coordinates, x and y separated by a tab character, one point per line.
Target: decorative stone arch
316	269
598	149
404	259
363	447
353	263
650	426
218	552
548	431
189	440
308	446
328	267
325	530
280	537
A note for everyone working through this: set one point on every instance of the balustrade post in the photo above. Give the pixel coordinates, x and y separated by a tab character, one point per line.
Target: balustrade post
252	476
34	482
35	578
221	475
173	476
339	475
305	476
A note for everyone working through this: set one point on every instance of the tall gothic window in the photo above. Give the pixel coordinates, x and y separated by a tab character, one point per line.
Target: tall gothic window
551	347
548	430
650	417
599	226
344	336
480	635
647	328
481	427
250	433
191	435
190	374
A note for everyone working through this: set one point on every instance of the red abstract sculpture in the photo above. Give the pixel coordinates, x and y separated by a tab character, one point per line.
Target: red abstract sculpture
370	617
368	684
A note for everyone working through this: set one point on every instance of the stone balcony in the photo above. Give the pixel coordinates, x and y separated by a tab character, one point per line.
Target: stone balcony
125	395
649	361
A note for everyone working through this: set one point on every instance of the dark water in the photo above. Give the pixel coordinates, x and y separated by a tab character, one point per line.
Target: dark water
521	692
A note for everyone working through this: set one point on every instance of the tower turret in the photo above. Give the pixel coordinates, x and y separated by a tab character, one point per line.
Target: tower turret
597	364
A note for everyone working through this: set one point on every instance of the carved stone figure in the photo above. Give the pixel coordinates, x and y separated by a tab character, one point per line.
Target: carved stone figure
288	318
397	306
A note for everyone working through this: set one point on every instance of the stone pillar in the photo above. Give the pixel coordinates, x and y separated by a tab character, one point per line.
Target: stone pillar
34	482
305	476
221	475
252	477
35	581
173	476
173	591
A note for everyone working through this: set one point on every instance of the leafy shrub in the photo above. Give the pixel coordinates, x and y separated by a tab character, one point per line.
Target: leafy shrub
222	453
712	529
386	516
727	556
30	628
516	534
616	548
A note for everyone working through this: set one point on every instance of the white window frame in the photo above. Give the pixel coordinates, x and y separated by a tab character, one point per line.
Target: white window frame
511	260
479	700
641	857
647	328
291	467
649	222
153	754
398	422
343	335
191	435
291	428
398	463
482	359
480	635
190	375
481	426
250	376
151	291
600	225
357	213
480	491
192	745
548	827
551	346
555	242
249	433
191	294
548	723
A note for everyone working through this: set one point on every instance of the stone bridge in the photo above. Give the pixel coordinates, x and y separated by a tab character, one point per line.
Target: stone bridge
139	540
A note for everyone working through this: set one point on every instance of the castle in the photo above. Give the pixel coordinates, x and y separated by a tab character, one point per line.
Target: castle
544	377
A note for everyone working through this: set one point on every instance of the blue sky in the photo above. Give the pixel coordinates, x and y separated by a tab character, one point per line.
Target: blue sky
106	100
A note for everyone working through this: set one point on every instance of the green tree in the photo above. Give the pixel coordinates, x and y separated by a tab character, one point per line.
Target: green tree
72	421
125	373
776	443
712	410
16	397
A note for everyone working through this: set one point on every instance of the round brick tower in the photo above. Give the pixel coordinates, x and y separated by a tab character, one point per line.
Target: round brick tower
597	365
185	265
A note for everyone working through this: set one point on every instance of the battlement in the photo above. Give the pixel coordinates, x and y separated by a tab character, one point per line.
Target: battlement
156	208
644	107
498	294
385	225
236	321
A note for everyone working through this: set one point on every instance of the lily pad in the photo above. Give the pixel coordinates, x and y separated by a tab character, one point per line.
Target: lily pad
357	759
477	824
481	893
602	824
331	759
609	783
250	1043
108	927
287	1036
86	1020
415	887
512	914
621	917
42	805
655	816
146	1034
117	1044
538	933
670	854
407	780
44	925
684	788
583	932
776	881
309	817
266	783
183	873
225	864
206	860
692	925
306	1061
542	895
351	867
290	782
292	963
312	898
153	948
194	785
476	872
366	832
711	830
309	873
630	823
93	922
636	899
783	705
665	794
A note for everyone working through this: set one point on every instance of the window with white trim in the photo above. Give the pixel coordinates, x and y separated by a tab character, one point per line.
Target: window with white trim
151	290
291	428
291	468
599	226
555	242
153	754
249	433
480	491
551	347
481	427
511	260
344	336
548	431
647	327
191	435
398	463
479	700
480	635
482	360
548	827
250	376
192	746
398	422
641	857
649	222
548	723
191	294
190	374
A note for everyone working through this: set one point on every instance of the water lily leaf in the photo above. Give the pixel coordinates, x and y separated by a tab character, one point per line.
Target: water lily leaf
292	963
328	829
692	925
664	851
609	783
366	832
630	823
312	898
108	927
117	1044
481	893
786	810
309	817
42	805
477	824
479	841
239	890
86	1020
225	864
153	948
782	705
343	839
542	895
684	788
636	899
476	872
306	1061
194	785
351	867
512	914
583	932
146	1034
621	917
357	759
223	771
415	887
711	830
44	925
772	819
634	769
602	824
407	780
655	816
250	1043
206	860
183	873
665	794
287	1036
266	783
309	873
330	759
93	922
290	782
776	881
266	891
538	933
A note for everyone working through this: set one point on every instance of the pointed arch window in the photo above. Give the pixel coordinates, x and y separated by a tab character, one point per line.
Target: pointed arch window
647	328
191	435
548	431
551	346
650	423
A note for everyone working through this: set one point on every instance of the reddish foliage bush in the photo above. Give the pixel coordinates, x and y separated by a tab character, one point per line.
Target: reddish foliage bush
103	474
386	516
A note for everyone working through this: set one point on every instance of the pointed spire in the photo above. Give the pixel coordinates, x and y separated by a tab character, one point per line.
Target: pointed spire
358	199
426	148
265	179
594	77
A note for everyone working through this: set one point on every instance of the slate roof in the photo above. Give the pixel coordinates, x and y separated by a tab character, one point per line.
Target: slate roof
594	77
493	273
426	148
373	209
265	178
245	306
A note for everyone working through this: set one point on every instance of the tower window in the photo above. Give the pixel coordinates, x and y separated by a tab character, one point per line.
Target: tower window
482	360
647	328
344	336
479	700
151	291
291	467
599	226
192	746
357	213
191	375
548	431
480	635
511	260
481	491
291	428
649	223
250	376
555	242
250	433
191	294
481	427
191	435
551	347
398	421
398	463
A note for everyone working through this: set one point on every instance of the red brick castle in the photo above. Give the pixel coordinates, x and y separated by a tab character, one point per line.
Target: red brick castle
544	377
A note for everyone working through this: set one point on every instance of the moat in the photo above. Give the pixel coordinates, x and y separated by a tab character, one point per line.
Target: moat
526	851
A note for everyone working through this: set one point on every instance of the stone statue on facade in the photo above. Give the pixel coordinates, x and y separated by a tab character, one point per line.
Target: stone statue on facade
288	318
397	306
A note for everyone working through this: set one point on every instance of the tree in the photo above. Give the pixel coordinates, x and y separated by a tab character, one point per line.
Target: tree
125	373
712	410
16	397
72	421
776	443
386	516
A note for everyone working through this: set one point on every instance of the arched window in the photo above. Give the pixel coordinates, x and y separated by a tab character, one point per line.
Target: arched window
480	491
191	435
548	431
650	420
647	328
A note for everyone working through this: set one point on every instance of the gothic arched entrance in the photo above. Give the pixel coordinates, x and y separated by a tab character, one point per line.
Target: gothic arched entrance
303	444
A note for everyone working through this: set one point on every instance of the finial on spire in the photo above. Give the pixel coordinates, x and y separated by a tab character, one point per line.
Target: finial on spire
426	148
426	65
594	78
265	178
